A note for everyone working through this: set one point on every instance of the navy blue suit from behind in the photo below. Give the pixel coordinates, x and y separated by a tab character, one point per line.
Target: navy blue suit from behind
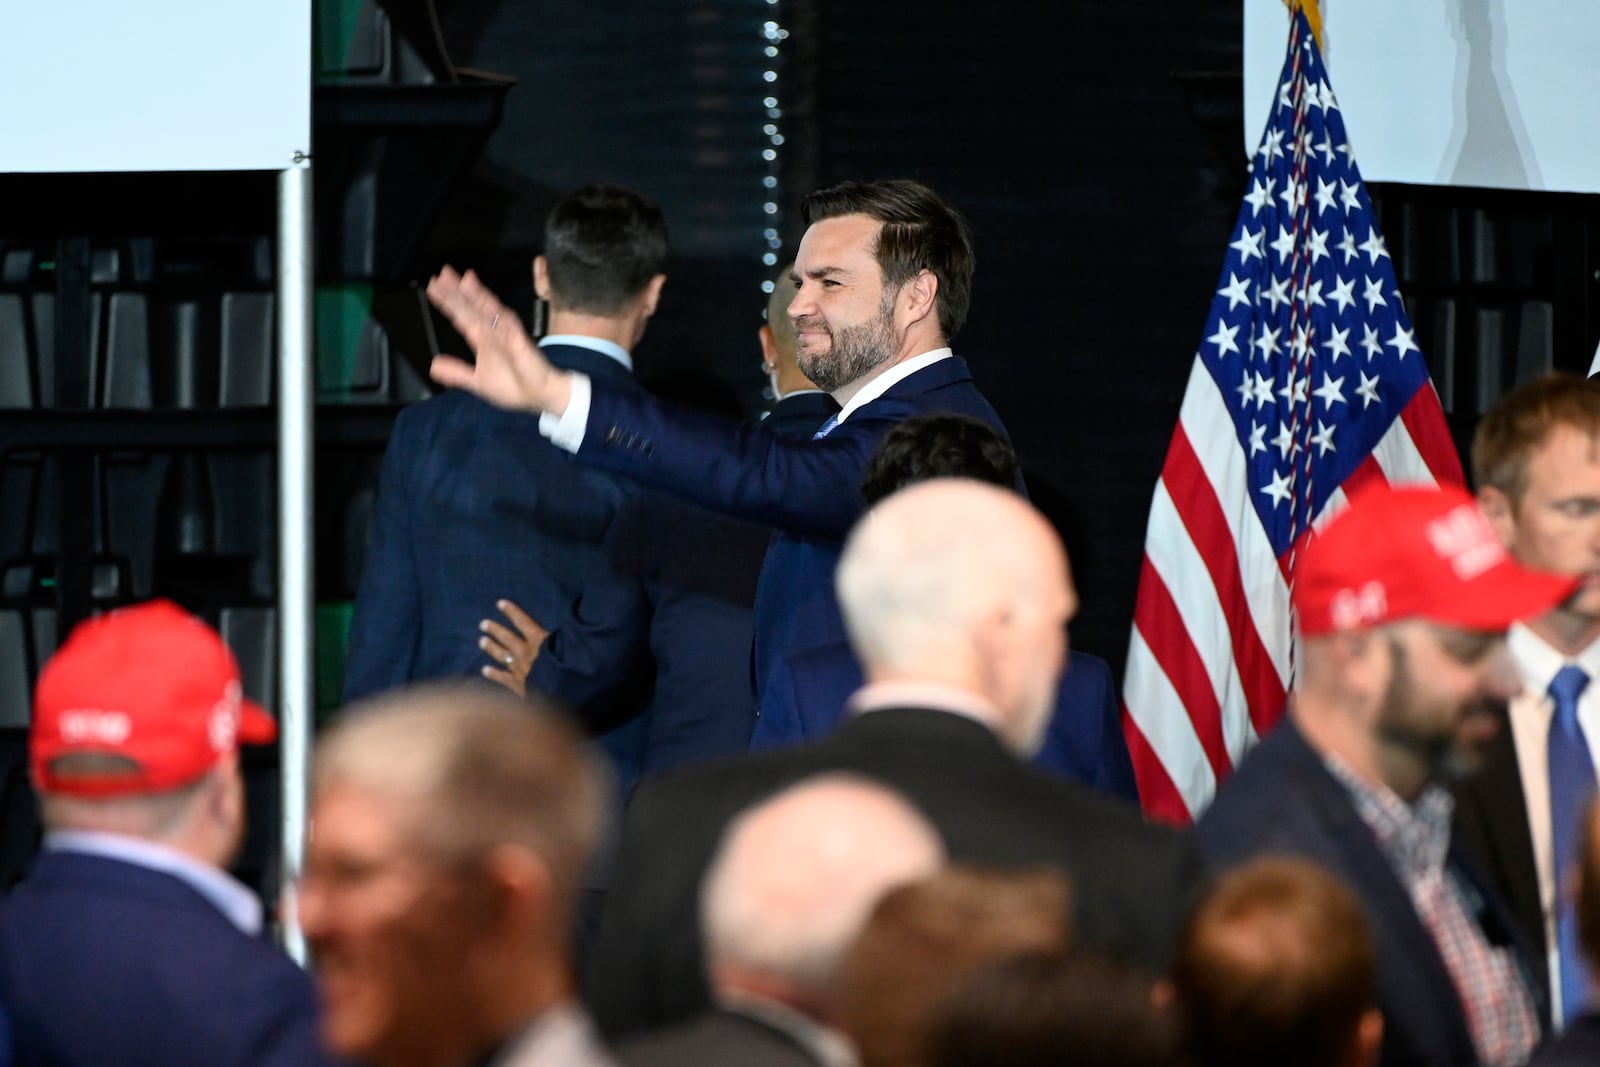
1283	799
807	692
474	505
809	491
104	962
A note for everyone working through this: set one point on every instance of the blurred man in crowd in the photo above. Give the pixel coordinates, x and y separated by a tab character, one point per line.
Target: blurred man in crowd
450	828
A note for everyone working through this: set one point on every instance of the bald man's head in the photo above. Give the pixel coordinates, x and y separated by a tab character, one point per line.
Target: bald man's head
963	584
778	342
796	877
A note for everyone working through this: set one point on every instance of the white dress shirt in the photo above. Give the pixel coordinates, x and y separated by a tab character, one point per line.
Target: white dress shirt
1531	712
560	429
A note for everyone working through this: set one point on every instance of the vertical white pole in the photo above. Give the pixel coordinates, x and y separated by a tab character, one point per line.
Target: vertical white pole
296	634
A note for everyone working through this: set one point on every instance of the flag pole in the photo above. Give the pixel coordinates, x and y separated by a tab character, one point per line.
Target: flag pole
1313	16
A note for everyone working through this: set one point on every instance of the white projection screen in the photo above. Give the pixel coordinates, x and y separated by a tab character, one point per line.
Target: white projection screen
1495	93
157	85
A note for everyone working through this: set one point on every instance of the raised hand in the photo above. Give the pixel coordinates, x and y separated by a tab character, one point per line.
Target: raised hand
510	371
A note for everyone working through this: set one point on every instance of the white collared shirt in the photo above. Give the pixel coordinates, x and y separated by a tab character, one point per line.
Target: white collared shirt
897	373
827	1046
560	1035
566	430
237	903
593	344
1531	712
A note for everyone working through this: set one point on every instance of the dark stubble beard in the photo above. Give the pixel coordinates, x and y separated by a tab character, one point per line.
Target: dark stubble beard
1441	750
856	350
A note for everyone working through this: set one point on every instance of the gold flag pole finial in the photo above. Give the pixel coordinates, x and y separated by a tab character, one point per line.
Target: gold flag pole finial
1313	16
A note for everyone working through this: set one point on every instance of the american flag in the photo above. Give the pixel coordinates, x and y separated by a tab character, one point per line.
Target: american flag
1308	383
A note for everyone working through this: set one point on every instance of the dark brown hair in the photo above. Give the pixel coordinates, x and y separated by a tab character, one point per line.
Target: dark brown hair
924	938
1276	966
920	232
1045	1009
603	245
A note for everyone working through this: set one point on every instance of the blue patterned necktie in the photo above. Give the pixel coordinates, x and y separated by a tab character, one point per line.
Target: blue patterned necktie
826	428
1571	786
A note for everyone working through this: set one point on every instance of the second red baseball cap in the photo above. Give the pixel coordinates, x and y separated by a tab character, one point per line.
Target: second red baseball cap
1399	552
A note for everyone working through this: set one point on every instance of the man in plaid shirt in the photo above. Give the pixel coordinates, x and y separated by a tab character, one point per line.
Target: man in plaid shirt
1401	607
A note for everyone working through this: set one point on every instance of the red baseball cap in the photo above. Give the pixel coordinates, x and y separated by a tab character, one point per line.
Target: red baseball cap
1400	552
151	683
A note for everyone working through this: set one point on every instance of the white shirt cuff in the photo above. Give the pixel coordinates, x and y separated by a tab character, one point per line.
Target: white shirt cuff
565	431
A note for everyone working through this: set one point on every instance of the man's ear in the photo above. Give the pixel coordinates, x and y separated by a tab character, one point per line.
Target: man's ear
652	293
524	891
769	349
1367	1043
919	297
541	277
1500	512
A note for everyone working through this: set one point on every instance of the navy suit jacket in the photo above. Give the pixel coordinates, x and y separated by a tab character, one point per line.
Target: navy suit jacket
105	962
474	505
809	491
1283	799
807	692
1491	823
674	612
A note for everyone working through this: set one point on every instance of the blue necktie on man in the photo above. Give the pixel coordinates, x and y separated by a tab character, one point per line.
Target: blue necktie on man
1572	785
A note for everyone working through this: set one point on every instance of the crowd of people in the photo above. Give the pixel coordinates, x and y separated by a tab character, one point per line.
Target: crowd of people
620	782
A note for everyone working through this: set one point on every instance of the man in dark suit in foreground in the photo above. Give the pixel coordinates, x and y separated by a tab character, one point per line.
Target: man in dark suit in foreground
1402	604
451	824
883	279
789	890
128	943
957	596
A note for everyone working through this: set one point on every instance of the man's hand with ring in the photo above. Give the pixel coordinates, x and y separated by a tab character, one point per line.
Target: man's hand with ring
512	648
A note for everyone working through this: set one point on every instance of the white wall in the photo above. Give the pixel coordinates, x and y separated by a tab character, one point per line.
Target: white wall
120	85
1501	93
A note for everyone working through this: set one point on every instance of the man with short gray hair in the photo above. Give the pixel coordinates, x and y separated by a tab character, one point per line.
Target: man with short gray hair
450	828
786	895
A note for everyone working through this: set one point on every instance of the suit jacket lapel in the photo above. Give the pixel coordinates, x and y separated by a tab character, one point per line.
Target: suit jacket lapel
1492	824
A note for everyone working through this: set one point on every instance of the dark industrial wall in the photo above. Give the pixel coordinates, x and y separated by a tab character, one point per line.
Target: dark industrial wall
1081	138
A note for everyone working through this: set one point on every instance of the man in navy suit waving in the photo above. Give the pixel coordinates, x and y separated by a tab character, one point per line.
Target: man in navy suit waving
882	282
